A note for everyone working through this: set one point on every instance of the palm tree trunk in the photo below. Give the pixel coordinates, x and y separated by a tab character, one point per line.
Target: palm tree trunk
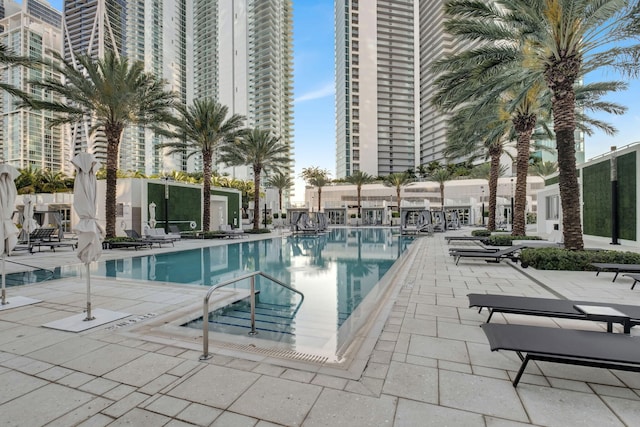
256	199
495	153
442	196
398	197
359	212
560	78
319	197
112	134
524	125
280	201
206	190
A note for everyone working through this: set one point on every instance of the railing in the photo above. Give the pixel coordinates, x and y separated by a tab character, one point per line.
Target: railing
252	298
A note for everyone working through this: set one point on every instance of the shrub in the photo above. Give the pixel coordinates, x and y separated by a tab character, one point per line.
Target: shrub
564	259
212	234
258	231
275	216
119	239
283	216
395	214
481	233
507	239
532	218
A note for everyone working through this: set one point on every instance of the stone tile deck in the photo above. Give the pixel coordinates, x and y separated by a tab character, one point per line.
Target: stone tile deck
429	365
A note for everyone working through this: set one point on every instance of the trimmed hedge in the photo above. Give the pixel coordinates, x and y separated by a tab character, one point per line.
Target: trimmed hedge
119	239
564	259
481	233
507	240
258	231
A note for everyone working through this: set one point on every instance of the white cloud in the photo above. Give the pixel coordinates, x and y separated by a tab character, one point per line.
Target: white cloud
326	90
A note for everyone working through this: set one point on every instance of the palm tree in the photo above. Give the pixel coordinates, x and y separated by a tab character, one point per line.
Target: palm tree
441	176
200	129
397	180
281	181
113	94
7	57
264	152
52	182
28	182
316	177
543	169
557	41
359	178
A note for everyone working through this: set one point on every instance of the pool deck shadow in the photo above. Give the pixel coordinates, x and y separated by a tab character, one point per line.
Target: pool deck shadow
423	361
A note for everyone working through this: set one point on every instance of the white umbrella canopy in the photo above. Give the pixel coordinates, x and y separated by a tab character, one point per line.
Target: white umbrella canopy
90	234
28	223
8	230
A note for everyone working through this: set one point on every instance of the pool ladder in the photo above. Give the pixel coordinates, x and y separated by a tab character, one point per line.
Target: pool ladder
252	299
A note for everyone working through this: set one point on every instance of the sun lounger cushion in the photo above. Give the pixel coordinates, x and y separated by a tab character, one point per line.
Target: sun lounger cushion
547	307
569	346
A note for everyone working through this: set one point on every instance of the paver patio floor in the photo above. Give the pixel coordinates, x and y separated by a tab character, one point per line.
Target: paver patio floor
429	365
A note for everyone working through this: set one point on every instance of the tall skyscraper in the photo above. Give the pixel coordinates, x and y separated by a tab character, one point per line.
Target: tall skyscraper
384	118
244	60
376	87
26	139
152	31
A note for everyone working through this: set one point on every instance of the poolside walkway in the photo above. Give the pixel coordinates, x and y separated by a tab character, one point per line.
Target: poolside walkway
430	364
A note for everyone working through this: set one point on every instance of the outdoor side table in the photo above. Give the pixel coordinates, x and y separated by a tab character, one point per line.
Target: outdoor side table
605	314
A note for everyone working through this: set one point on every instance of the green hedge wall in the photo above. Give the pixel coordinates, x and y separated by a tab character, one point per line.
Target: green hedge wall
596	192
184	204
627	198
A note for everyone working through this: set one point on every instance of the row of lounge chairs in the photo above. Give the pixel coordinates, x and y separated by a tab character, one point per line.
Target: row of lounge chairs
568	346
43	237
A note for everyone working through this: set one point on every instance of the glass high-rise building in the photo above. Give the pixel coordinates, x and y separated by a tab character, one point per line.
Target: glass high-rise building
244	60
377	91
152	31
26	138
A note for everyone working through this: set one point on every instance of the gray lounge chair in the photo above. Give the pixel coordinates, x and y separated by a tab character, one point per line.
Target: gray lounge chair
138	238
482	239
617	268
568	346
489	256
546	307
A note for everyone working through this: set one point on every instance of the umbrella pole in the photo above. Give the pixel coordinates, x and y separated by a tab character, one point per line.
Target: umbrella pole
89	316
4	280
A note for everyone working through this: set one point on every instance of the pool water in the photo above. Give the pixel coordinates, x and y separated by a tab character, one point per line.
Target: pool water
335	272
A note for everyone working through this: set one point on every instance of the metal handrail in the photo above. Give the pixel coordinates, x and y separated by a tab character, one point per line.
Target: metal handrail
252	298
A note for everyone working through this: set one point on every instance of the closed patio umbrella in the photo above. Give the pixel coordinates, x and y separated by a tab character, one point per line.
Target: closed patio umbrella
8	230
90	234
28	223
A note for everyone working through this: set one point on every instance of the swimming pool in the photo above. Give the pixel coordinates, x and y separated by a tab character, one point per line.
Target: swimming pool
335	271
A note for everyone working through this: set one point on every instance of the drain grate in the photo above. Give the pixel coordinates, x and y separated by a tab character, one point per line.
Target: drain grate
282	354
131	321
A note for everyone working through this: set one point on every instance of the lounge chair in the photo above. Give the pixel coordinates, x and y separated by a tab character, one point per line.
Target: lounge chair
569	346
482	239
159	233
635	277
546	307
489	256
232	232
133	234
175	231
617	268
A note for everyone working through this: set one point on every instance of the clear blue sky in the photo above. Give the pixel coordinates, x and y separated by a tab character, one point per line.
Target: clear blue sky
314	93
